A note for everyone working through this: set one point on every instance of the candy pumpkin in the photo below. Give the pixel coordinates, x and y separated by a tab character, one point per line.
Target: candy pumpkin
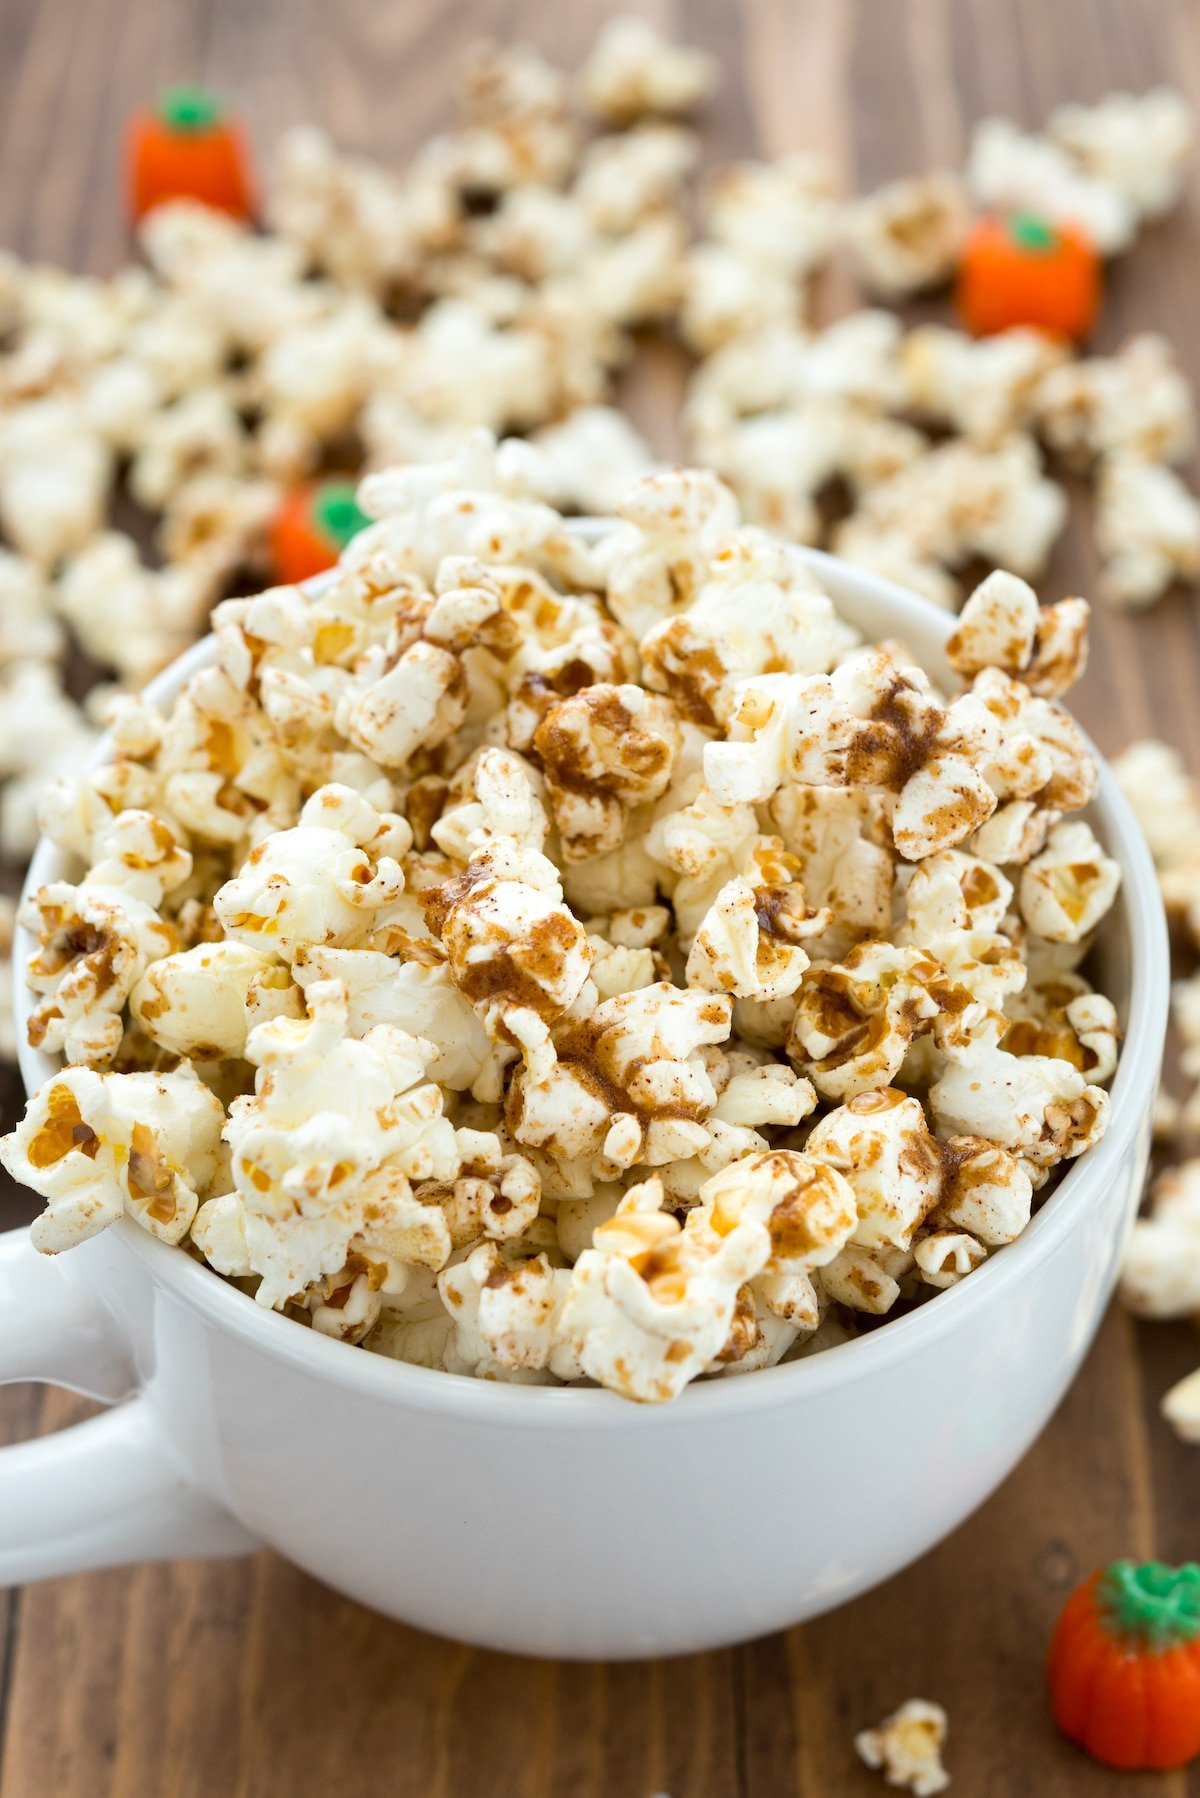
312	528
1124	1666
187	149
1023	270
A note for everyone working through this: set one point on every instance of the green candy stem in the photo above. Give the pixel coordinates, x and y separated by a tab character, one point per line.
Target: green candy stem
335	512
1032	232
1156	1606
189	109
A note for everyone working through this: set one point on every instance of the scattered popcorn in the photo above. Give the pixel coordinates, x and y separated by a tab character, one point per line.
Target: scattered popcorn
907	1747
667	872
633	71
1147	530
1161	1272
1137	401
906	235
1137	144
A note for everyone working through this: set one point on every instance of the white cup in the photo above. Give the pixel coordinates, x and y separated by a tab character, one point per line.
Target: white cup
560	1521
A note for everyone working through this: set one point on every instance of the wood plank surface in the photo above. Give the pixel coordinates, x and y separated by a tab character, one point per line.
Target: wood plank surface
248	1678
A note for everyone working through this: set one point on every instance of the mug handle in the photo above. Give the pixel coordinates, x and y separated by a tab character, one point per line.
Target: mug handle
105	1492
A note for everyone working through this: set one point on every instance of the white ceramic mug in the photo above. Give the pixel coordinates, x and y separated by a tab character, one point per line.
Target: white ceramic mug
559	1521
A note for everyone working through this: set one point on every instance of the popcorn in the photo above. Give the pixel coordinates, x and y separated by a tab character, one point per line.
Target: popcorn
503	1315
960	501
1067	889
880	1143
130	618
1039	1106
329	880
1015	172
650	1305
1181	1408
1137	144
95	942
907	1747
808	1210
1137	401
201	1003
633	71
592	457
27	630
541	894
43	737
604	750
324	1153
759	607
1002	626
1160	1276
985	388
98	1146
780	215
1167	805
1147	530
907	234
54	480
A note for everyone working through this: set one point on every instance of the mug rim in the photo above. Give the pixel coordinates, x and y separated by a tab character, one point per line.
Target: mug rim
1131	1095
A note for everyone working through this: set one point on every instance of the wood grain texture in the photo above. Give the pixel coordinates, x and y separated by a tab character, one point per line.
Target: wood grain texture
247	1678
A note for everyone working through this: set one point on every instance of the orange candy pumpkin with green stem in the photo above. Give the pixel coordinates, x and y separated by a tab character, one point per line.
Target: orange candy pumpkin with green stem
312	528
1023	270
1124	1666
188	149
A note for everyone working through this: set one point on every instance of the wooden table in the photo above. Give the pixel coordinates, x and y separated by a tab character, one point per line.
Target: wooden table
247	1677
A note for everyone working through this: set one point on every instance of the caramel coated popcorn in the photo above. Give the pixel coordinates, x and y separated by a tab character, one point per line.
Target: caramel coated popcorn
554	960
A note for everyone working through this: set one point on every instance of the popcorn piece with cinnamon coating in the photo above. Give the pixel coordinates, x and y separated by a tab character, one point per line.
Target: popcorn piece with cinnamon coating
201	1003
329	880
98	1146
880	1142
960	501
43	738
1040	1107
944	1257
651	1303
1002	626
129	617
633	71
628	1080
750	942
504	1313
907	234
728	295
657	562
592	457
28	630
604	750
854	1022
759	607
1060	1015
1166	803
808	1210
324	1154
97	939
54	480
1068	888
